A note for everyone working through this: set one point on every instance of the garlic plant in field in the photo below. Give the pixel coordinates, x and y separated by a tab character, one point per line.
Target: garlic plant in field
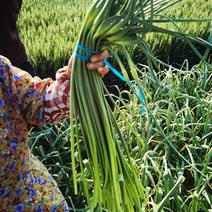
110	176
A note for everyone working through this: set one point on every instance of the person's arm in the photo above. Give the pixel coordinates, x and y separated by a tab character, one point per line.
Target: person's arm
45	101
57	97
37	99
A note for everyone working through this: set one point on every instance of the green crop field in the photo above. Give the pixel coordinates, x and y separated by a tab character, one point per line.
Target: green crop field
177	143
49	30
174	149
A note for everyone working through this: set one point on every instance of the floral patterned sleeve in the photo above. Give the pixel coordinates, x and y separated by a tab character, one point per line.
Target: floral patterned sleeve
42	101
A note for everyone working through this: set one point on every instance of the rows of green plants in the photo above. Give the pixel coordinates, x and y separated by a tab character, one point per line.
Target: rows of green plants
49	30
174	158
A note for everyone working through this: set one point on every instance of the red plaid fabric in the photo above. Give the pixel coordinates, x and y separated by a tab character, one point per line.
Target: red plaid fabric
57	98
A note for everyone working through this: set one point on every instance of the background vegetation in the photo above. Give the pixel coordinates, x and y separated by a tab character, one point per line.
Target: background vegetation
49	30
175	163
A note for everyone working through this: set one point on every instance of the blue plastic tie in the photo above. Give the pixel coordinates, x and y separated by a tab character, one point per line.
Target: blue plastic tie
79	46
118	74
82	57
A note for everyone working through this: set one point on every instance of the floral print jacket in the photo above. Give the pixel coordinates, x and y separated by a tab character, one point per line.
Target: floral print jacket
25	184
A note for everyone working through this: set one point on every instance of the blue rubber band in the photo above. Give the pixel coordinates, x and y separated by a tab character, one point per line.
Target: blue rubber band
82	57
118	74
141	98
79	46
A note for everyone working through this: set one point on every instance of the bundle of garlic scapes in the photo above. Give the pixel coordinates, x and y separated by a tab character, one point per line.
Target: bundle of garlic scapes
115	185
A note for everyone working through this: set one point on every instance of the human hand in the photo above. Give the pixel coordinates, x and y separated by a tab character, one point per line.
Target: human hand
96	63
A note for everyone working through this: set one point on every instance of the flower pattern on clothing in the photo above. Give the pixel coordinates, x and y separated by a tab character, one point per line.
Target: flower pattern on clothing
25	183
